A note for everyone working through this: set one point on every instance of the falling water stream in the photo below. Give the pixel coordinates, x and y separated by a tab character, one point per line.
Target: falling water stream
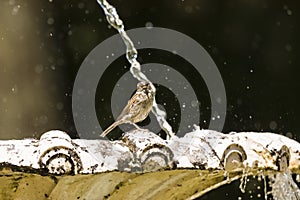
131	55
282	185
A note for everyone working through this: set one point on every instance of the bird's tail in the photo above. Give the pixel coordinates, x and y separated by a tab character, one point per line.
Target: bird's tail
110	128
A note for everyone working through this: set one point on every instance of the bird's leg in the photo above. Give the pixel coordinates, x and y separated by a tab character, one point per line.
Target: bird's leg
136	126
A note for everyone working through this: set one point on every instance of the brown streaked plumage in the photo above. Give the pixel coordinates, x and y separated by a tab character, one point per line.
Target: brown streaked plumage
137	108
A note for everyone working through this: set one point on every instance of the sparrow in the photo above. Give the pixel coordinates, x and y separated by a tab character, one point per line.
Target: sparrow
137	108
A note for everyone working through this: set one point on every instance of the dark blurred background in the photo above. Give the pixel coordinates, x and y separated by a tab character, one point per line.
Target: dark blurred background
254	43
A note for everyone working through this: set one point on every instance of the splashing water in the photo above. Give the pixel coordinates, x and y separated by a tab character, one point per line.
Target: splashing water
284	187
244	180
282	184
131	55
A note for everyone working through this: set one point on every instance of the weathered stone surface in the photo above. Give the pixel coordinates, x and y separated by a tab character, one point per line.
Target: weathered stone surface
161	185
170	184
143	151
92	187
175	184
23	186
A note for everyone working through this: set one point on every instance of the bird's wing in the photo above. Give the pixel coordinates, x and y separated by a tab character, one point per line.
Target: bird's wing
133	106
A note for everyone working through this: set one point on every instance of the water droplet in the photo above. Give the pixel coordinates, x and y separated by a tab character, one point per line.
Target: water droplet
11	2
244	180
59	106
14	89
278	23
189	9
288	11
149	25
15	10
288	47
39	69
131	54
194	103
289	134
239	102
50	21
258	195
298	178
43	119
258	187
273	125
81	5
60	61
